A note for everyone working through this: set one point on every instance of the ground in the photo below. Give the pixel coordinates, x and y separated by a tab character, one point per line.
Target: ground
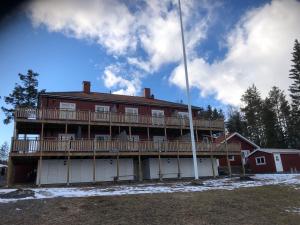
256	205
263	200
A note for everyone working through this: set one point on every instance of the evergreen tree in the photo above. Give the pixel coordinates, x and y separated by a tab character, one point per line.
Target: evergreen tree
295	96
253	114
4	151
235	122
23	95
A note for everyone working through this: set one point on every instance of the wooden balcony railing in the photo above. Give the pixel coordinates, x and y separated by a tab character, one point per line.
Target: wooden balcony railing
113	118
31	146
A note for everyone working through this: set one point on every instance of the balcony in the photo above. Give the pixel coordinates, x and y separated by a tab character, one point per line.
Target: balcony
56	115
118	147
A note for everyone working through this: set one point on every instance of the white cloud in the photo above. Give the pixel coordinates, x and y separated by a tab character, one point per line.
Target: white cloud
259	52
113	78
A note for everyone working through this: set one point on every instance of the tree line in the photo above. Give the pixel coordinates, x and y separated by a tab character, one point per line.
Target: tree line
272	122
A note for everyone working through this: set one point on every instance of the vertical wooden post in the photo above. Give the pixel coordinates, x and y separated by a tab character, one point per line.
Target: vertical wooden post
10	168
41	156
181	132
197	137
94	166
89	126
129	132
227	154
118	168
68	168
211	151
140	168
66	128
159	167
148	133
178	162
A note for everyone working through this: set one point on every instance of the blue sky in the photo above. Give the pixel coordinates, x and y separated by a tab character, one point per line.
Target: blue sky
123	48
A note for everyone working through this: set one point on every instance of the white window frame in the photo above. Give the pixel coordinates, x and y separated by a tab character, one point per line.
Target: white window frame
231	158
258	160
132	114
103	114
183	115
158	142
67	110
158	120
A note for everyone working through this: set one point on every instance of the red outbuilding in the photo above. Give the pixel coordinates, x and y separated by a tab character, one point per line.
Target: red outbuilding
267	160
246	147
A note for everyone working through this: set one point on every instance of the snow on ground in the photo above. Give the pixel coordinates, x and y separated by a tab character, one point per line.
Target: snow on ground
210	184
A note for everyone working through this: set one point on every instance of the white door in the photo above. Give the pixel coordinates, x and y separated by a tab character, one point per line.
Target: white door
134	139
131	115
159	142
278	162
64	141
102	112
184	117
67	110
158	117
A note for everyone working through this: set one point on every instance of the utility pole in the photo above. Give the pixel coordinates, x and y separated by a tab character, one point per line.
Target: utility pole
189	98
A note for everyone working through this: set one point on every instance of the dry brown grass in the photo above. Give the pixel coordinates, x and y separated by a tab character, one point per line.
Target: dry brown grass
249	206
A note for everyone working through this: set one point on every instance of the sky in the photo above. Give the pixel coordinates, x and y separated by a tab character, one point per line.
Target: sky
123	46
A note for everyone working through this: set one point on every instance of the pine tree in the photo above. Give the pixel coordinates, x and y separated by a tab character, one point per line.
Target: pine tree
23	95
236	122
253	114
4	151
295	96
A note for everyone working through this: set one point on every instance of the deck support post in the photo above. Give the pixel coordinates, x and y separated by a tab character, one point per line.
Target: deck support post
41	157
10	172
66	128
89	126
211	152
148	133
129	128
94	166
196	131
159	167
178	163
140	167
68	168
118	168
227	154
242	161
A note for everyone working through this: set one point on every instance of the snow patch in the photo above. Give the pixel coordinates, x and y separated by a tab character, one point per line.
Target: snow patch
211	184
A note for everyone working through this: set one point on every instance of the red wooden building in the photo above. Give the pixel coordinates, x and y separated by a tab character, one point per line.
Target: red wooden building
245	146
266	160
85	136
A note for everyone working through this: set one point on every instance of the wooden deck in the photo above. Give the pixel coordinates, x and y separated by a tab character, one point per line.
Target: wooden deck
117	147
94	118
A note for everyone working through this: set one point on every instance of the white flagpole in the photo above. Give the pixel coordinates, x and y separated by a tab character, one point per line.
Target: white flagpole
189	98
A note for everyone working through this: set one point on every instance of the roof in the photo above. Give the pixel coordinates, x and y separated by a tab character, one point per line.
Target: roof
276	150
107	97
221	139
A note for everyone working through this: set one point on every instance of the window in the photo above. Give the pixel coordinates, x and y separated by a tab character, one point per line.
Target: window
184	115
131	115
245	153
231	158
159	142
101	112
260	160
158	117
67	110
102	137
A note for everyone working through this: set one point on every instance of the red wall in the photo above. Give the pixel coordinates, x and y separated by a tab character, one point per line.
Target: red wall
85	105
268	168
237	159
290	161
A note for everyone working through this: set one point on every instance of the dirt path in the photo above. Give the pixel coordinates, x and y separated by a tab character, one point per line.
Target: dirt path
267	205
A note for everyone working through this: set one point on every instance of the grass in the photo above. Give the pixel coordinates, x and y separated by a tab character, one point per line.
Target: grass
250	206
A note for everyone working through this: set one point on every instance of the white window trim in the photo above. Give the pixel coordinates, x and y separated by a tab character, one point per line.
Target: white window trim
105	107
133	109
259	163
231	158
106	136
64	106
183	114
158	110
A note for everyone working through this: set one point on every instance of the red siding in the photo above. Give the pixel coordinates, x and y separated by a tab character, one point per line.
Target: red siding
84	105
290	161
268	168
237	159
